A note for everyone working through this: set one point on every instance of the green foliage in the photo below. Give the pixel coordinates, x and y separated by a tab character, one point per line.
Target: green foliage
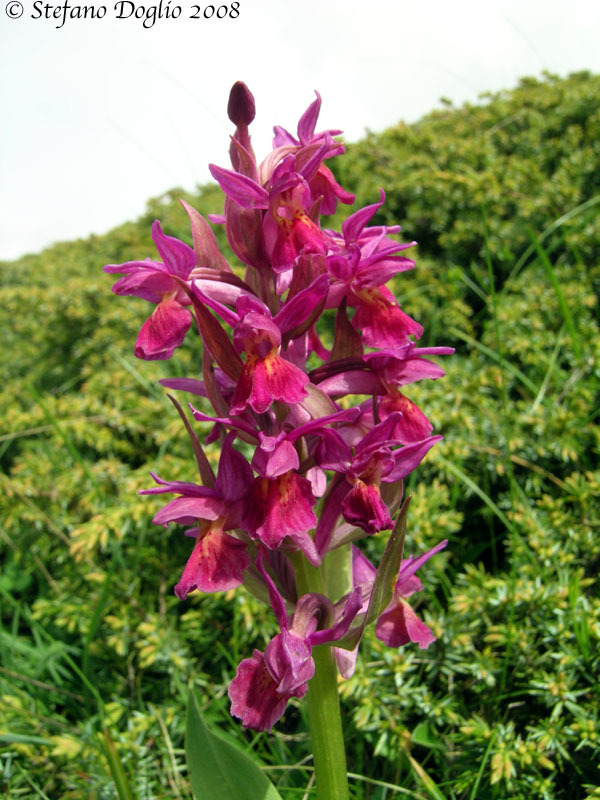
97	655
217	766
526	156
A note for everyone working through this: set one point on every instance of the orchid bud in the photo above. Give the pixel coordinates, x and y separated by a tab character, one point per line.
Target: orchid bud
240	108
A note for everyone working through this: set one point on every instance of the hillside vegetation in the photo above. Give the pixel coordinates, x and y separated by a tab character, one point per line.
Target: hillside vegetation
97	654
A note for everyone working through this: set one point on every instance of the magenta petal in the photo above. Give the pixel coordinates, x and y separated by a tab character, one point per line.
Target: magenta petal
217	563
283	138
351	382
254	696
190	385
289	660
332	451
299	308
415	369
234	476
279	508
413	425
242	190
188	510
377	440
411	565
318	481
399	625
273	461
149	284
267	379
177	256
309	158
352	227
225	313
363	572
408	458
129	267
222	291
381	322
178	487
364	508
351	608
346	661
401	369
163	331
325	186
308	121
377	270
405	588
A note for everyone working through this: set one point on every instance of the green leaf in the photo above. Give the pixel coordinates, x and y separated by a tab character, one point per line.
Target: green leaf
338	571
385	581
122	785
19	738
428	784
389	567
217	768
425	735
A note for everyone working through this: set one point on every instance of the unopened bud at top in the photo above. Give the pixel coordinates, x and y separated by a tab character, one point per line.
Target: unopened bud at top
241	108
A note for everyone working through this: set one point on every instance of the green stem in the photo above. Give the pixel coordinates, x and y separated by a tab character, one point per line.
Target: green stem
329	755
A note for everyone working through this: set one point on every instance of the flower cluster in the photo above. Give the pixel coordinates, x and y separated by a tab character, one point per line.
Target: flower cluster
308	330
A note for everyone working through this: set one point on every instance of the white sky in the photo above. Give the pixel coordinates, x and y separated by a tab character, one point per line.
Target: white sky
100	115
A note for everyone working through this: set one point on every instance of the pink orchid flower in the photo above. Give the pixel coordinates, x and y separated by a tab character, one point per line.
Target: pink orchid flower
218	560
159	283
375	459
323	184
264	683
398	624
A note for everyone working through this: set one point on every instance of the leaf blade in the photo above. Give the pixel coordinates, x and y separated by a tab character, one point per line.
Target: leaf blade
217	768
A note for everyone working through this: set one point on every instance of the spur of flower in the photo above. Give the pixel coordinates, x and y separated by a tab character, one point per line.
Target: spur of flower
306	354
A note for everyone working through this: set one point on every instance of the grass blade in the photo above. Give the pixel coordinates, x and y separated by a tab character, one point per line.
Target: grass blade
515	371
564	308
470	483
428	784
117	770
550	229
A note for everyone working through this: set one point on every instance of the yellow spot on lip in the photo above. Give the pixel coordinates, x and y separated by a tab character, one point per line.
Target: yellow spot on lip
270	361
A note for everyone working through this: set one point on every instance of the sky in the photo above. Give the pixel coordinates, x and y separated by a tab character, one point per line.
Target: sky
98	115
